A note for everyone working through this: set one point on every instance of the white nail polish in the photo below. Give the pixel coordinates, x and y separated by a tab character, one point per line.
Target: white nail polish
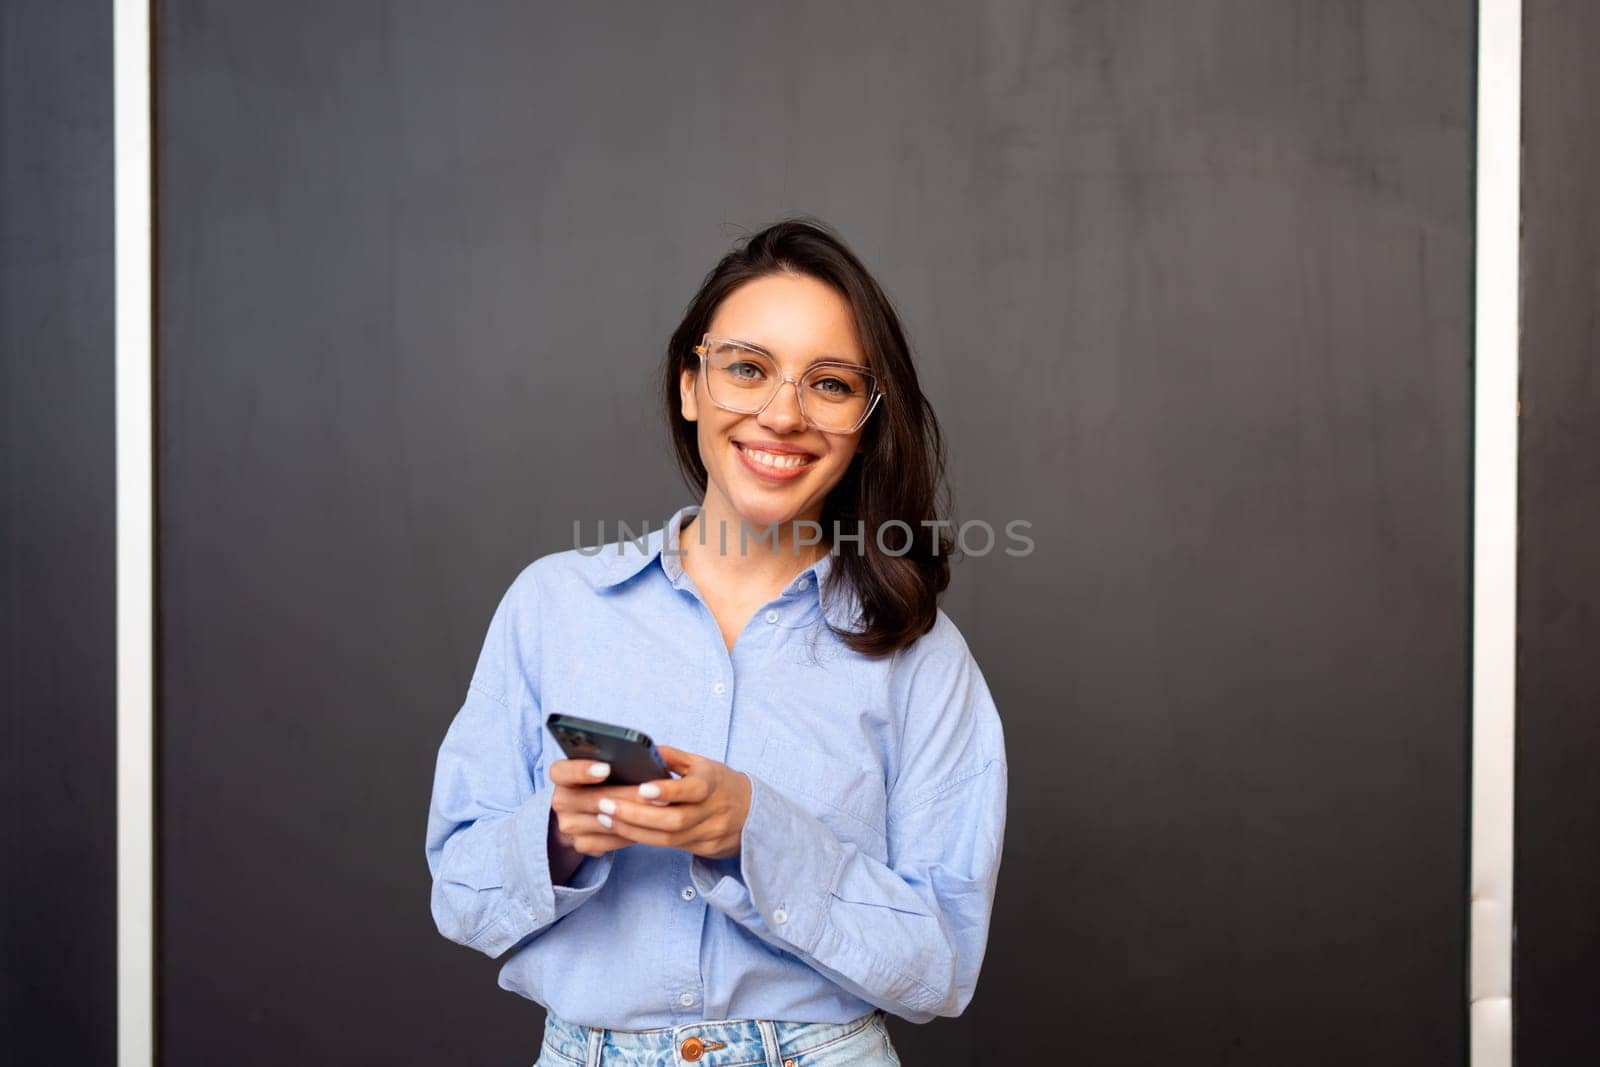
599	770
649	789
608	805
605	820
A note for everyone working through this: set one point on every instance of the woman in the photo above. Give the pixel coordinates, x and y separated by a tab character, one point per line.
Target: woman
828	848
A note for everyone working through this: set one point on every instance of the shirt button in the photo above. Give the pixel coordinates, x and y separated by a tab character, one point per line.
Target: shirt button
688	892
803	583
719	688
686	999
780	916
772	616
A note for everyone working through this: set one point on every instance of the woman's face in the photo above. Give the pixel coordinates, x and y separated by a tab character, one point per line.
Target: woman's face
799	320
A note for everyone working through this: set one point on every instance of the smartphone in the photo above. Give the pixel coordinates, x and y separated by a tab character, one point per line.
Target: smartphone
632	755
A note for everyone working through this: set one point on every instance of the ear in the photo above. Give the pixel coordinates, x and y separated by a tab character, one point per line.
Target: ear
688	398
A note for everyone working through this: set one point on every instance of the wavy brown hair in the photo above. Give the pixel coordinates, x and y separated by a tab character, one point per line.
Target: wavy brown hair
898	471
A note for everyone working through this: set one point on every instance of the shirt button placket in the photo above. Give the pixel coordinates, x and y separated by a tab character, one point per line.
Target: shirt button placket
682	970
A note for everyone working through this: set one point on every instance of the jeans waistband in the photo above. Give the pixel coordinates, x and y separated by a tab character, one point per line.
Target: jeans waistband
712	1043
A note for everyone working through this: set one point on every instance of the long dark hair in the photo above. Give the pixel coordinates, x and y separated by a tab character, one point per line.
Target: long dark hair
898	472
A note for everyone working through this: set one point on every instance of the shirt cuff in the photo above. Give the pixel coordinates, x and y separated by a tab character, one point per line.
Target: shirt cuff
781	881
541	900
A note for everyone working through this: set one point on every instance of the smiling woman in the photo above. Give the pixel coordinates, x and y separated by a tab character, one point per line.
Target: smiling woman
796	295
827	846
767	459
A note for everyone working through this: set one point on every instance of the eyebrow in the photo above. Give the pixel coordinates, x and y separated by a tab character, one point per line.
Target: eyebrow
813	363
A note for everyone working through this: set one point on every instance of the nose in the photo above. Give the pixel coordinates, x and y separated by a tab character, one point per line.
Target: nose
782	413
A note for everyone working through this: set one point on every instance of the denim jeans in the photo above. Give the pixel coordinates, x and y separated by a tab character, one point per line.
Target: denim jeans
862	1042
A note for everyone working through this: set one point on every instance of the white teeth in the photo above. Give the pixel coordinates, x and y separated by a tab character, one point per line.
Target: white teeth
778	460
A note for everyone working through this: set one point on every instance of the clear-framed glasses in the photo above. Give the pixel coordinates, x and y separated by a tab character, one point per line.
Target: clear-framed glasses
835	396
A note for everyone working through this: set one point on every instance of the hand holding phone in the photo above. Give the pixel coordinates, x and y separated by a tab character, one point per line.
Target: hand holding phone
604	814
575	828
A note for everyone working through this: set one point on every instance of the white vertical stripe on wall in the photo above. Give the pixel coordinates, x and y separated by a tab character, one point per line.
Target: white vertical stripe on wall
1494	564
135	527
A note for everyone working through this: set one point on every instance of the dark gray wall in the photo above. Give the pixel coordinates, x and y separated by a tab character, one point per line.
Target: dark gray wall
1557	891
58	666
1190	285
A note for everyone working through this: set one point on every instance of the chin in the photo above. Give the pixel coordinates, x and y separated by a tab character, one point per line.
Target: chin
762	513
762	507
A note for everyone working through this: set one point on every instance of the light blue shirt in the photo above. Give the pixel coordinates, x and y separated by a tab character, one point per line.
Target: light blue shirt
868	863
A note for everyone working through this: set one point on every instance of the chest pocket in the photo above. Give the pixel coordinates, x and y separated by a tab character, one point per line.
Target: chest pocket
850	798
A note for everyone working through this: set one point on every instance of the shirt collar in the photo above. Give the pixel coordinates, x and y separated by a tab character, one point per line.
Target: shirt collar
622	559
625	558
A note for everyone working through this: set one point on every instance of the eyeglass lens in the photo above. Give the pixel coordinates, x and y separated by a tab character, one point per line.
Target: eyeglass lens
832	397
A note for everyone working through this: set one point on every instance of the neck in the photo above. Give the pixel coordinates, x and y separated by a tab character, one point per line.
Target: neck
712	550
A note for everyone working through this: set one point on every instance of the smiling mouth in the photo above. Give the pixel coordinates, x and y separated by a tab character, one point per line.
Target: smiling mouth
777	461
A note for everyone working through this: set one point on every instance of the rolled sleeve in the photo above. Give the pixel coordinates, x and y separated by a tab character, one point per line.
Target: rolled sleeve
783	877
528	857
909	938
488	819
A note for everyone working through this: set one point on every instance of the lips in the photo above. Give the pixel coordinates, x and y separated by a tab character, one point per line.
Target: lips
776	462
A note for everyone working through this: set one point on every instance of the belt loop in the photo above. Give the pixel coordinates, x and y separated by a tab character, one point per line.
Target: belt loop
597	1038
769	1041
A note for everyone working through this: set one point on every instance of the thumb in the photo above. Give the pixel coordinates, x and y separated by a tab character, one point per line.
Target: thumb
678	760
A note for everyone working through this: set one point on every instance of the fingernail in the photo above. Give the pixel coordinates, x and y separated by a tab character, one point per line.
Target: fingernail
605	820
608	805
660	803
649	789
599	770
